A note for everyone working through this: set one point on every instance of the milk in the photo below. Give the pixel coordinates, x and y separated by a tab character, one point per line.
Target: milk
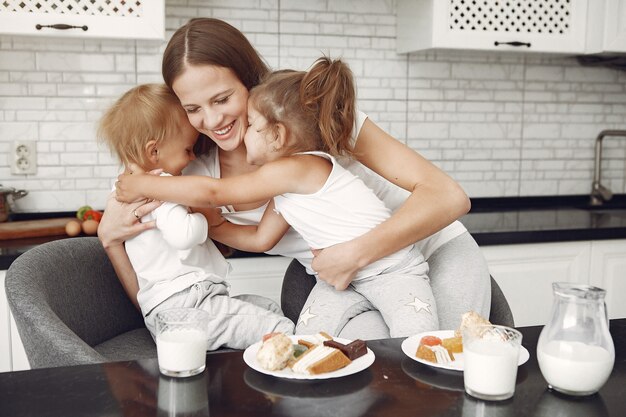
575	367
181	350
490	368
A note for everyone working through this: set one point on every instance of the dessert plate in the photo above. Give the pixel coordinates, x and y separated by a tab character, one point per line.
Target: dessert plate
357	365
410	344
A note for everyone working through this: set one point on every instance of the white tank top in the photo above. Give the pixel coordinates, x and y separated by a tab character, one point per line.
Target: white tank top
292	244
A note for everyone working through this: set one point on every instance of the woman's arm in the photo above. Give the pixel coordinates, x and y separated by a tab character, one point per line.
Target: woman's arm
117	225
436	200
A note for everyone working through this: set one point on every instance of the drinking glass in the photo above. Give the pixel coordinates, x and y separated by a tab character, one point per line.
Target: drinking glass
181	339
490	355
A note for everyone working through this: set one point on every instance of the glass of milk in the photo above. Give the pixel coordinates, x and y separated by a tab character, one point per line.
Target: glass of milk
490	358
575	350
181	340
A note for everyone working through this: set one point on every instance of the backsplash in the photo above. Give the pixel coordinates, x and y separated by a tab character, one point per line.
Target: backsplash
500	124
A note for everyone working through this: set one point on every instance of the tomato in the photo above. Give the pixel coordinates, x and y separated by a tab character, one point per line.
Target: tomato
430	341
92	215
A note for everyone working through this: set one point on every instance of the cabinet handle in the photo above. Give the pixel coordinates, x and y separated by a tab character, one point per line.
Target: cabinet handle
496	43
61	26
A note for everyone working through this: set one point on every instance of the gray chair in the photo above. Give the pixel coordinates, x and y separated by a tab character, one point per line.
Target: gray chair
298	284
71	309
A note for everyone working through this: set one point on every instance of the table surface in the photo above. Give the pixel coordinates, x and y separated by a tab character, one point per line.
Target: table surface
393	386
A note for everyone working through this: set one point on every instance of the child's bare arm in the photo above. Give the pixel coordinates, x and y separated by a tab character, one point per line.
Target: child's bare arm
259	238
287	175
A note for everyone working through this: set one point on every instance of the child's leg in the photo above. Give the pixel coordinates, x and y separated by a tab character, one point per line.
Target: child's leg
403	297
328	310
260	301
233	323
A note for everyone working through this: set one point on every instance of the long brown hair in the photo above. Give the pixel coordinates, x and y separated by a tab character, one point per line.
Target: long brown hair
208	41
316	107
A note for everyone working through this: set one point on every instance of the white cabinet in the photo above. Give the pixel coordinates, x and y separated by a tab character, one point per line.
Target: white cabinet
12	354
608	271
5	328
608	35
526	273
138	19
556	26
258	275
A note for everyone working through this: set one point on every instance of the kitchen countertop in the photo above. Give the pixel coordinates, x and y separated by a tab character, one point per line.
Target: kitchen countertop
492	221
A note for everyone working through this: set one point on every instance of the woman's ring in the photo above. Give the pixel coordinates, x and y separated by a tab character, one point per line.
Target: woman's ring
136	215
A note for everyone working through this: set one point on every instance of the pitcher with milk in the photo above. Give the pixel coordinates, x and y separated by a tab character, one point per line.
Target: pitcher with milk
575	349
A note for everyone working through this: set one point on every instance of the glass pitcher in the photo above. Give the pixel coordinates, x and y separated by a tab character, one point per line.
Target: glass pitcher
575	349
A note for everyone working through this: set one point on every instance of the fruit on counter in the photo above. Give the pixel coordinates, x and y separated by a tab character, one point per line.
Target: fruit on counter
81	212
90	227
92	215
73	228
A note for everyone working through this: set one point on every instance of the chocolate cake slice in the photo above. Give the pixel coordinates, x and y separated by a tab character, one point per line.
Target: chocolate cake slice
352	350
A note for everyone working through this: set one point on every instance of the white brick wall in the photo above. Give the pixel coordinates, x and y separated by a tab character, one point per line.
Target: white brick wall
501	124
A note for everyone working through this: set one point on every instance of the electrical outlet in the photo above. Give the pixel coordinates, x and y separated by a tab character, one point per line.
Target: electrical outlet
23	157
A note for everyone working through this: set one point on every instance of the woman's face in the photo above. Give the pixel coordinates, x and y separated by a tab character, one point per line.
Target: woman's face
215	101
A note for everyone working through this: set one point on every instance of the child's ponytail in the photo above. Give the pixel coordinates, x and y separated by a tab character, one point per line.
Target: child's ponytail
328	91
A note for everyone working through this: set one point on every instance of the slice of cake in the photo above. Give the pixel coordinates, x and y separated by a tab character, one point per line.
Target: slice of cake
431	349
320	359
468	320
313	340
352	350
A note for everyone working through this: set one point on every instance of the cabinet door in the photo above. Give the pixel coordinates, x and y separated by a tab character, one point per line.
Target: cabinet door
615	26
5	335
258	275
608	271
138	19
557	26
526	273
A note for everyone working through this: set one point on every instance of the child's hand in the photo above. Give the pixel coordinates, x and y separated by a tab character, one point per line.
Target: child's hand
127	186
213	215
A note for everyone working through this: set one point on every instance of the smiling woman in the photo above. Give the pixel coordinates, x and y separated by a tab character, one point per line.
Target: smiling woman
211	67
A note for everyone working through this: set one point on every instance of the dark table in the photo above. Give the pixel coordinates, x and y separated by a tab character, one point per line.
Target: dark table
393	386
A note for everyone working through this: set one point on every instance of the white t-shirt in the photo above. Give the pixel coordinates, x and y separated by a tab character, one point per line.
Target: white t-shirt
292	244
344	208
174	255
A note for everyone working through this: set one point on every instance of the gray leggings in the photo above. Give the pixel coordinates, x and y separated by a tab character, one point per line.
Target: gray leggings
459	278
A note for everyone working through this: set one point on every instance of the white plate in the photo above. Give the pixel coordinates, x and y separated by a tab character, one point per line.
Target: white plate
410	344
357	365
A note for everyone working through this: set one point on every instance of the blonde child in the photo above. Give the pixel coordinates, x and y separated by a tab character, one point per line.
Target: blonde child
296	121
175	263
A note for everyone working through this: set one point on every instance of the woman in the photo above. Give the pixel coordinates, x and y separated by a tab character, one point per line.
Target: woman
211	67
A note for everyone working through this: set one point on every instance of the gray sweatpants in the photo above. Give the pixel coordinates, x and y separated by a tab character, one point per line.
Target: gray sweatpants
236	322
401	294
460	281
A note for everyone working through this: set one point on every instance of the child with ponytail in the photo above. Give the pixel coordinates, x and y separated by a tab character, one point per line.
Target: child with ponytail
296	122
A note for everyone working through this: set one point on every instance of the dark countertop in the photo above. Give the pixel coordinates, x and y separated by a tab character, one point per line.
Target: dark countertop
492	221
394	385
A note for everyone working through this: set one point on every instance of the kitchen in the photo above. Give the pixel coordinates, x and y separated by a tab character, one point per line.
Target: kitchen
503	124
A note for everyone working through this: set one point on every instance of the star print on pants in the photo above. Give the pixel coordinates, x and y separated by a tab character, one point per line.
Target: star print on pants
419	305
306	316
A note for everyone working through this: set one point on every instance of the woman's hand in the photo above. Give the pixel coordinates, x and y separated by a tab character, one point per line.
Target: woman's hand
121	221
337	265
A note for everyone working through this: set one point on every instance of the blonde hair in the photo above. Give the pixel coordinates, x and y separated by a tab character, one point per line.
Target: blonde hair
317	107
144	113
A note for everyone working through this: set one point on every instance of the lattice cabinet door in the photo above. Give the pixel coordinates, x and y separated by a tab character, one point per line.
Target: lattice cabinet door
125	19
557	26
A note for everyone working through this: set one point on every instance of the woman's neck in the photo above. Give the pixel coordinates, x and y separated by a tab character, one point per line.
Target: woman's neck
234	162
